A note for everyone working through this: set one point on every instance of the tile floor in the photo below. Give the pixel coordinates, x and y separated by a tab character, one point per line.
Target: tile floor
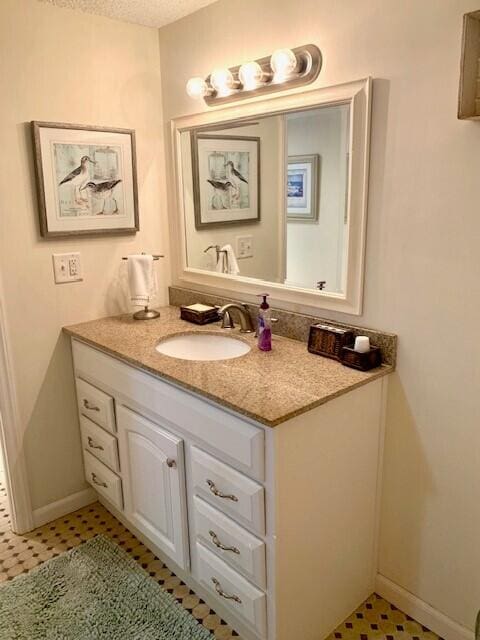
375	619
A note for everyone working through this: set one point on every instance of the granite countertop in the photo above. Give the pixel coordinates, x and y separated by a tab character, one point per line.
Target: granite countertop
269	387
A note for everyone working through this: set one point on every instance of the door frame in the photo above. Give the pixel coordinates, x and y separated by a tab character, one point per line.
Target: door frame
11	436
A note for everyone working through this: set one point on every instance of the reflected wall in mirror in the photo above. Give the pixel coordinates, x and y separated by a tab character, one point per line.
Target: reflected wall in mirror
267	198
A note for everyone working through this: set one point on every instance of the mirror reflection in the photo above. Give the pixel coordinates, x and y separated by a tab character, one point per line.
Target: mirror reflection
267	198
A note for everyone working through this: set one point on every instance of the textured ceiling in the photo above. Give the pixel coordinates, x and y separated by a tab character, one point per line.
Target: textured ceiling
152	13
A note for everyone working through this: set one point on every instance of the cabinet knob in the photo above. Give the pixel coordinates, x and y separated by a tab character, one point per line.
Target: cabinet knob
171	463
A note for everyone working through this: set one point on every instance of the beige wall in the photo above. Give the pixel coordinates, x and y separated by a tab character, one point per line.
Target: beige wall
422	255
66	66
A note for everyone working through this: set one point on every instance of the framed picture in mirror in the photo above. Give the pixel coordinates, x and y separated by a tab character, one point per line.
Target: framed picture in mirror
226	179
303	188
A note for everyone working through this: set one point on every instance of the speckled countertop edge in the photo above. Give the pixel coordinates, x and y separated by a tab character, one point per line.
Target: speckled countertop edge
269	388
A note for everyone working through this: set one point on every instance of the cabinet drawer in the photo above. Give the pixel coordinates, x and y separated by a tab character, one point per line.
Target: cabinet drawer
103	480
99	443
245	600
228	490
232	543
96	405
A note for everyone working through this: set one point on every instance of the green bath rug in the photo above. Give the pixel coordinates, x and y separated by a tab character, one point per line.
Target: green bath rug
93	592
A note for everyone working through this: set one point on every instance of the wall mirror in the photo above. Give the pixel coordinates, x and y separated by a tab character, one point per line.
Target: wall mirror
271	196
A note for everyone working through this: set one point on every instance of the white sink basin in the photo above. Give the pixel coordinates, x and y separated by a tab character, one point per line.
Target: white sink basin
202	346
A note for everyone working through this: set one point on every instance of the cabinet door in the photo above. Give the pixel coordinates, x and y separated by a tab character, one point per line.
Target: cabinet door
152	463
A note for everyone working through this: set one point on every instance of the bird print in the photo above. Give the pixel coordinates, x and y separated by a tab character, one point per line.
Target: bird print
78	178
233	174
221	186
103	190
236	178
221	190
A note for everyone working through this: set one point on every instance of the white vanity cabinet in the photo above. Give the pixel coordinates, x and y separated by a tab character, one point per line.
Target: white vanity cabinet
274	527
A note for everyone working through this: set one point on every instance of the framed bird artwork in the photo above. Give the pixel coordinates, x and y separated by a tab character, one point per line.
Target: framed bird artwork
86	179
226	179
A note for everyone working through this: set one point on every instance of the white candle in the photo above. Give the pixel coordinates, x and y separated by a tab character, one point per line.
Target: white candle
362	344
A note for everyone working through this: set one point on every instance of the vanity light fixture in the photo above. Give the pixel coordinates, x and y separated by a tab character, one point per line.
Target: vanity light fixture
251	75
284	63
198	88
284	69
223	82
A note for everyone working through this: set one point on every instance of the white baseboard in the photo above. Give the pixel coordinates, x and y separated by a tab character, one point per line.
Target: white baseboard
64	506
421	611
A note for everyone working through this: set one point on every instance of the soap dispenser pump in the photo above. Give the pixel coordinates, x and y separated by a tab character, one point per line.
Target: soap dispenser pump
264	329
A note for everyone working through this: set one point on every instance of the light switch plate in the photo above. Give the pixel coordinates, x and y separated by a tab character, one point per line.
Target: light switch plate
244	246
67	267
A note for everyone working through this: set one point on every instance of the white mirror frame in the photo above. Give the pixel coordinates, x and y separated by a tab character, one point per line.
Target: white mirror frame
356	94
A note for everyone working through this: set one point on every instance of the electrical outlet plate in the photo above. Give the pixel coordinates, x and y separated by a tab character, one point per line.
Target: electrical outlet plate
244	246
67	267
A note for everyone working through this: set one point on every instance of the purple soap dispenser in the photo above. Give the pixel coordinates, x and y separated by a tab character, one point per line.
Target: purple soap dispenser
264	329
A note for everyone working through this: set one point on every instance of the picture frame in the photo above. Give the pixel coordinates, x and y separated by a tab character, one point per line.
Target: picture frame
303	188
86	179
226	179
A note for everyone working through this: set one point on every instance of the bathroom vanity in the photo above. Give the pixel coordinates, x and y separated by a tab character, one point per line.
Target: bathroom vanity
254	479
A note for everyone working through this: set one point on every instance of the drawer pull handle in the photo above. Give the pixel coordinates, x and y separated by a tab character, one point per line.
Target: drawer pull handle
219	494
92	444
221	546
171	463
90	407
222	593
98	482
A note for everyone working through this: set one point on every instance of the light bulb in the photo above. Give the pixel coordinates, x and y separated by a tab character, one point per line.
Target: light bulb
283	63
222	81
197	88
250	75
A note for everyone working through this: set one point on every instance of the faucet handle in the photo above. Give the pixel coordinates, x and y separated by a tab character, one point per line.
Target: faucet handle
227	321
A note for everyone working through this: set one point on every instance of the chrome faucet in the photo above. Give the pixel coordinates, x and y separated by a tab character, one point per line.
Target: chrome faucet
246	324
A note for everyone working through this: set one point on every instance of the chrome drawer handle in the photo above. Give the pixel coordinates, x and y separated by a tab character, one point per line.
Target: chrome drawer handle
92	444
219	494
98	482
221	546
90	407
222	593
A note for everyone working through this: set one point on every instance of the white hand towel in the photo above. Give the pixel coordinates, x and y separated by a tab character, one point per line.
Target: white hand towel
227	261
141	279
